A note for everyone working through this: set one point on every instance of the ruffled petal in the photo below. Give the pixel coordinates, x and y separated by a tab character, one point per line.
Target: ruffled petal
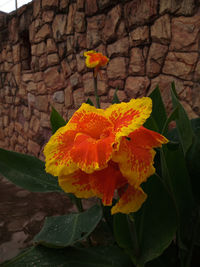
130	201
105	182
126	117
57	152
136	155
94	59
135	163
93	144
147	139
76	183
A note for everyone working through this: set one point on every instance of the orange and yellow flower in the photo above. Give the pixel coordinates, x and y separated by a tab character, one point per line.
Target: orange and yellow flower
95	60
100	152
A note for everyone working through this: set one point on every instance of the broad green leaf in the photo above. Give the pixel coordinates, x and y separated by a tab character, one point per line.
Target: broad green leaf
71	257
151	124
27	172
158	109
171	118
65	230
56	120
115	99
176	176
193	157
89	101
155	224
182	121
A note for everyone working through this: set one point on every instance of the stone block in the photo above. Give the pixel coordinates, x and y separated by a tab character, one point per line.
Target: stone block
70	18
112	20
136	86
185	32
79	22
138	12
41	103
34	124
52	59
59	26
161	30
119	48
58	97
90	7
45	120
64	4
180	64
120	94
88	83
137	62
117	68
43	33
183	7
116	84
95	25
33	148
80	61
49	3
51	46
75	80
156	59
68	97
78	96
16	53
47	16
54	79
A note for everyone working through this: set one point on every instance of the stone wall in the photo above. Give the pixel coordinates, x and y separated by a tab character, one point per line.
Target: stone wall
149	42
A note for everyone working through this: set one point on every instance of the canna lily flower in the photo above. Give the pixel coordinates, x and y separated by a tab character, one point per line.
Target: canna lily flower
95	60
100	151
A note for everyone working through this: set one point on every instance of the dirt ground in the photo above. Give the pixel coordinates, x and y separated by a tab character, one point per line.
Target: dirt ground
22	214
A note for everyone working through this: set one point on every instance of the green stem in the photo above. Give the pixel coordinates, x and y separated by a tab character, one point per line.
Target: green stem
96	92
79	205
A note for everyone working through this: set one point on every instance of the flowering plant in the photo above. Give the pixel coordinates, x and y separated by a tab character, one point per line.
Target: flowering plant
147	184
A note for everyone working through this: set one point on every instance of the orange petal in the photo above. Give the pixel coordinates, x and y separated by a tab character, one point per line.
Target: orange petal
57	152
92	154
76	183
130	201
105	182
135	163
147	139
126	117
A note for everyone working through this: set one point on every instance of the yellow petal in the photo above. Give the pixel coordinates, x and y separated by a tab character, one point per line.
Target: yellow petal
130	201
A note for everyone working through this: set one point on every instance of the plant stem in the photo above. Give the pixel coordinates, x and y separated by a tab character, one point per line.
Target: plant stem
96	92
79	205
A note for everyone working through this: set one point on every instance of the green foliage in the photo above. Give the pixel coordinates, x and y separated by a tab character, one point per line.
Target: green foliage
89	101
155	225
115	99
56	120
55	232
72	256
164	232
27	172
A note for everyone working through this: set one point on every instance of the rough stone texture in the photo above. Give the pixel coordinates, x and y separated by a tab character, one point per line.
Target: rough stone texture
155	59
136	86
140	11
119	48
161	30
114	71
42	60
137	62
139	36
185	33
112	20
180	64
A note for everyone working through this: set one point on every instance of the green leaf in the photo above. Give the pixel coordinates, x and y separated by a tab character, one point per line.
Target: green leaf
171	118
115	99
65	230
183	123
27	172
155	224
175	174
89	101
158	109
192	159
76	257
57	120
